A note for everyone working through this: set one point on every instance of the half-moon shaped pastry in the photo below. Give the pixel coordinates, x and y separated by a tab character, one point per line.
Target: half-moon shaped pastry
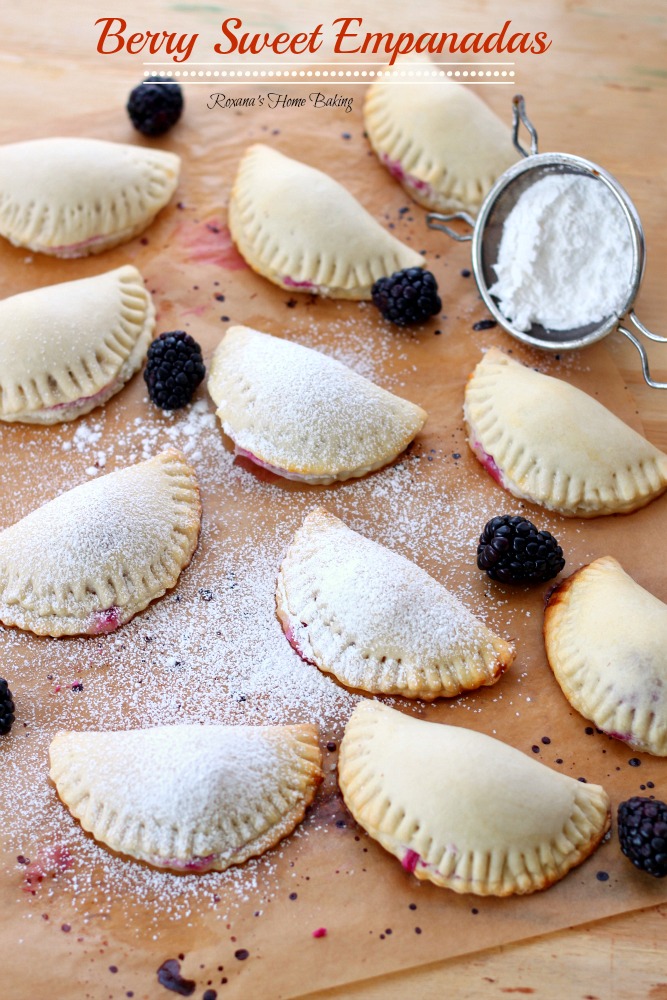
302	230
67	348
548	442
189	798
462	809
304	415
606	642
72	197
89	560
378	622
439	139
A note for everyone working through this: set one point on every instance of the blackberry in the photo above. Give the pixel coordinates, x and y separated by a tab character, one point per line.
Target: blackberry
407	297
6	708
155	105
642	833
512	550
173	370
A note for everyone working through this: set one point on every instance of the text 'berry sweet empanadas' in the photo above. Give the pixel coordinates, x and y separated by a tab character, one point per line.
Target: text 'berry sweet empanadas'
302	230
72	197
439	139
189	798
606	642
463	810
304	415
65	349
550	443
378	622
89	560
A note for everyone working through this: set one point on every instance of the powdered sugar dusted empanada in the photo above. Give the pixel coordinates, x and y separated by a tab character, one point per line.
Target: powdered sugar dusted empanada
439	139
606	641
190	798
302	230
72	197
65	349
378	622
462	809
302	414
548	442
89	560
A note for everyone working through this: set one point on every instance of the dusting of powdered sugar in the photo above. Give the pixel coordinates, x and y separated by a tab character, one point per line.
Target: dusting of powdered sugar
211	651
565	257
358	605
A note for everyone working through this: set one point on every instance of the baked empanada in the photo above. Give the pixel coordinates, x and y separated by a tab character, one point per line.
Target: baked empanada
189	798
302	414
438	138
65	349
378	622
462	809
302	230
548	442
606	642
89	560
72	197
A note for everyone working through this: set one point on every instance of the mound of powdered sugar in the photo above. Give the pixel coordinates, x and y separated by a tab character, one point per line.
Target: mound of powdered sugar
565	257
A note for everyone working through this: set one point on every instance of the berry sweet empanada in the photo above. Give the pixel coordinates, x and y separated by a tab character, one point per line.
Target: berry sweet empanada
188	798
302	230
65	349
606	642
462	809
378	622
550	443
89	560
304	415
72	197
445	146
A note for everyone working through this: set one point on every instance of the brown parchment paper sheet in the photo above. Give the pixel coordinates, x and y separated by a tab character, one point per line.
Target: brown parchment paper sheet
378	918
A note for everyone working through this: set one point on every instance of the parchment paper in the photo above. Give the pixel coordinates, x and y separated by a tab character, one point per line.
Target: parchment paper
56	941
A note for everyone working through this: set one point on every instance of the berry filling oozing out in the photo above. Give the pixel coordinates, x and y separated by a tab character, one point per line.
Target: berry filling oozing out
488	462
275	469
74	404
106	621
395	168
294	643
291	283
194	865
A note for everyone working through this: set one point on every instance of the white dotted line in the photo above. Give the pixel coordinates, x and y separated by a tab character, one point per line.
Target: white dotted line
334	74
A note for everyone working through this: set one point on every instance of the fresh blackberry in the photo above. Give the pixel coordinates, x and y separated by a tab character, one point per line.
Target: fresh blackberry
407	297
6	708
155	105
512	550
173	370
642	832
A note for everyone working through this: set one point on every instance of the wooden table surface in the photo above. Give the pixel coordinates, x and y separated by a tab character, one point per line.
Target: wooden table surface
600	91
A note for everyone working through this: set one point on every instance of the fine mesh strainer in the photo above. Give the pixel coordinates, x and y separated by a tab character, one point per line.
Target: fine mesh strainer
488	227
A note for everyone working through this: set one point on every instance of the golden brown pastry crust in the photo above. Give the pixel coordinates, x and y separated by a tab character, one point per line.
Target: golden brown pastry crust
302	414
438	139
89	560
71	197
550	443
303	231
188	798
606	642
65	349
378	622
462	809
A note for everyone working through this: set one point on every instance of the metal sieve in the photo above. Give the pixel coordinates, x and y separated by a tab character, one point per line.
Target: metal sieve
487	230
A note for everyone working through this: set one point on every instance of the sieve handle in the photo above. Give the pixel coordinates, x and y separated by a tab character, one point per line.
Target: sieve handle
434	220
519	116
640	347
